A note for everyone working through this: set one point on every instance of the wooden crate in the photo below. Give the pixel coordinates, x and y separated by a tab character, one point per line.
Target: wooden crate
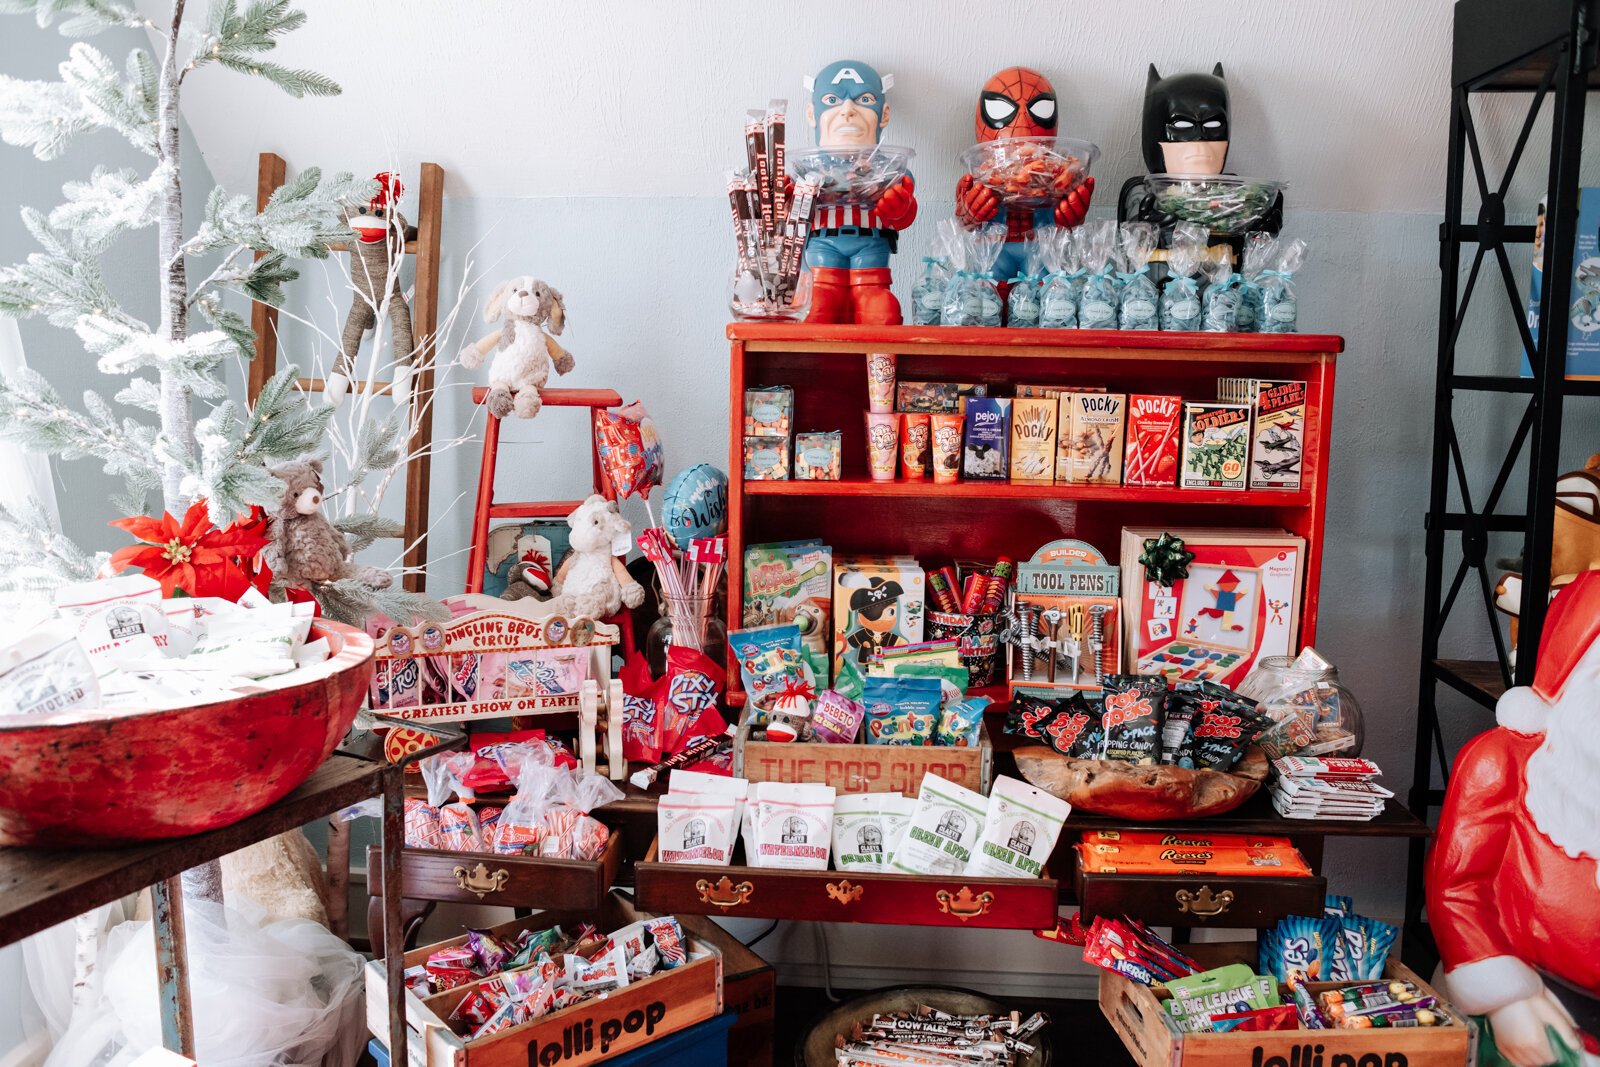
1138	1014
1199	900
864	768
507	881
854	897
749	989
585	1033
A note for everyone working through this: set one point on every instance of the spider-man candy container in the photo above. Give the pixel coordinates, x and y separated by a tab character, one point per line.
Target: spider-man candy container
1017	102
859	215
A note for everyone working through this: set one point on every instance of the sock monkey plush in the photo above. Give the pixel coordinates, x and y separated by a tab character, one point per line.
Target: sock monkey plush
380	232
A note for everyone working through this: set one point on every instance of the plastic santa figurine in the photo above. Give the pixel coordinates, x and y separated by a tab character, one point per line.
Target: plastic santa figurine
849	247
1513	887
1017	102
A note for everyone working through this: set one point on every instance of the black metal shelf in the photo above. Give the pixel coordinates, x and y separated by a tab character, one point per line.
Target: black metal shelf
1545	48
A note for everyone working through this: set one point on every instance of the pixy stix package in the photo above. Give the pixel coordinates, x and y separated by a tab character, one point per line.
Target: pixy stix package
1019	831
942	831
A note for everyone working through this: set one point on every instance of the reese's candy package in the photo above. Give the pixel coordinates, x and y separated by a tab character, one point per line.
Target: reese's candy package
1133	708
1224	725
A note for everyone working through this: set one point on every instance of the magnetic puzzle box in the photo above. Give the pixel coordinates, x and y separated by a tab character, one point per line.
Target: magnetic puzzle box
1240	602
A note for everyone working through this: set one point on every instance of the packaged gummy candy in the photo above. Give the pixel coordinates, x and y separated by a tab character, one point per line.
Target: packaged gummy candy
1140	300
1279	307
1097	301
1180	300
927	297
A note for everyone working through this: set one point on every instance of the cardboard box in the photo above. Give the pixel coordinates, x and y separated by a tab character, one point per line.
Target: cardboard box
587	1032
986	446
1277	440
1138	1014
935	396
1024	391
792	581
1153	440
1216	446
1063	576
766	459
1240	602
861	768
877	604
1033	439
1582	319
1090	438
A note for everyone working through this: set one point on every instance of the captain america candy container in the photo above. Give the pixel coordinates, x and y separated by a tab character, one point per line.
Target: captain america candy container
1022	180
866	196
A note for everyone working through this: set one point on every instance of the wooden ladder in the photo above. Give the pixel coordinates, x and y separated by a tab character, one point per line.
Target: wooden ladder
424	321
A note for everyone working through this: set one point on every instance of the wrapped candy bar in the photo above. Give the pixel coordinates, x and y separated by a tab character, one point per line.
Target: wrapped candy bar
1098	299
1219	304
489	950
1139	300
1180	299
1059	289
972	297
1279	307
450	967
667	936
927	296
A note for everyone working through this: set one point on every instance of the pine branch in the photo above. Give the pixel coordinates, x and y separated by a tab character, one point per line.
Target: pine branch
108	203
63	282
231	323
365	529
32	415
82	17
236	40
192	362
35	556
300	220
350	601
140	393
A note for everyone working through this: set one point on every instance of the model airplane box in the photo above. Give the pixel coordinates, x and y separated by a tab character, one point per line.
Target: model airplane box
1582	315
1239	602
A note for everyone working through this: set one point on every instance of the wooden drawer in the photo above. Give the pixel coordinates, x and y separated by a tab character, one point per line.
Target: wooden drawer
1197	900
588	1032
835	896
507	881
1139	1017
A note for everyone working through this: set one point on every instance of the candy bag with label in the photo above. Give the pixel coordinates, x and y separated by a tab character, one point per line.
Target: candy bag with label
1139	300
1219	304
1019	831
927	296
901	711
1279	307
629	448
1098	299
1134	705
1180	300
1058	290
942	830
1260	250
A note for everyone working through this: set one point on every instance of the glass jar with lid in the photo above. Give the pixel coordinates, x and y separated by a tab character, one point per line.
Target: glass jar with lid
1314	713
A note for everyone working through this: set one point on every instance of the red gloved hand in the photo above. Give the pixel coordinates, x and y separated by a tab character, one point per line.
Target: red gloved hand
1072	208
975	204
897	206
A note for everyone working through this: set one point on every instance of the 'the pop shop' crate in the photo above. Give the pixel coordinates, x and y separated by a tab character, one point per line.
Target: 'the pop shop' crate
864	768
1139	1016
587	1032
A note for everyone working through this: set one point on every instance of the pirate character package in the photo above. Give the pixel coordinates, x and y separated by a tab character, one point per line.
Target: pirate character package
878	604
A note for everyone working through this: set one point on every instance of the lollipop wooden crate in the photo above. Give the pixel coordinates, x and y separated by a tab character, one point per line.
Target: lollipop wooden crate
497	658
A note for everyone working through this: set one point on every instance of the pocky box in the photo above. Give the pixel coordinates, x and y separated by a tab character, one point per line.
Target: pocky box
1278	435
1033	439
1019	831
1153	438
1216	446
1089	440
877	605
943	829
986	449
792	581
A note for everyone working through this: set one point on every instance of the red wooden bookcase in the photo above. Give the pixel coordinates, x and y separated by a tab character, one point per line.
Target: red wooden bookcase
826	365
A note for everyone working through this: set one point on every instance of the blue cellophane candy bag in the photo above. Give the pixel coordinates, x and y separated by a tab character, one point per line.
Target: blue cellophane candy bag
1097	300
1219	304
1180	299
927	297
1139	302
1259	251
1062	277
1279	306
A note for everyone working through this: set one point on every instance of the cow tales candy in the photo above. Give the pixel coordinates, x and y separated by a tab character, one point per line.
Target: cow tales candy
1134	706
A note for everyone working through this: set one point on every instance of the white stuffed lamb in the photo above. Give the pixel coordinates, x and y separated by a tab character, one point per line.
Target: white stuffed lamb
592	581
523	350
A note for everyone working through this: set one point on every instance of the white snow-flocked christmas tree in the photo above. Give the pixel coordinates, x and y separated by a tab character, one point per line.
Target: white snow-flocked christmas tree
223	456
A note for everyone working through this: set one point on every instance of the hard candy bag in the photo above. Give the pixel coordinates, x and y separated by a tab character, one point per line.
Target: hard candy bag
1180	299
927	296
1058	291
1219	304
1139	302
1279	306
1097	301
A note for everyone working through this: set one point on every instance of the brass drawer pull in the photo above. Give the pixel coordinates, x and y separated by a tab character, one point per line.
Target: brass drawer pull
481	880
964	905
1204	903
845	892
724	894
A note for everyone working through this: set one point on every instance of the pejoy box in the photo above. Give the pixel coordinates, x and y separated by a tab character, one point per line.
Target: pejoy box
1240	602
496	658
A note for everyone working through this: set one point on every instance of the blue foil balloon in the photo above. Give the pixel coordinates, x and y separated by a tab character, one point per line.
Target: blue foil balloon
696	504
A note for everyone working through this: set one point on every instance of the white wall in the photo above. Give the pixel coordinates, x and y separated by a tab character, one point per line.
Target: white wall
587	143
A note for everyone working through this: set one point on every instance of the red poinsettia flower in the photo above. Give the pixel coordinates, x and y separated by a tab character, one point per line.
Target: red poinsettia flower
194	557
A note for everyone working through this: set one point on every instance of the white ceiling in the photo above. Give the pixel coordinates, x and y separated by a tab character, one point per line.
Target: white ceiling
1346	100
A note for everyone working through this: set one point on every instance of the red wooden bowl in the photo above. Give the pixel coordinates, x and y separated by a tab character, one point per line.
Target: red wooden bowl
85	779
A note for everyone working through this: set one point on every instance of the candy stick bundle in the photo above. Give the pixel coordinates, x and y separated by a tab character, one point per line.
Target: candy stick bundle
770	226
688	580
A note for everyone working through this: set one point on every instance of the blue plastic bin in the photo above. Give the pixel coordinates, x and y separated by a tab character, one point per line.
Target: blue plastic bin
702	1045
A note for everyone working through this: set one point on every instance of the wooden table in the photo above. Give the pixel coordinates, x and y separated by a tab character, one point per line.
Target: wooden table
41	887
